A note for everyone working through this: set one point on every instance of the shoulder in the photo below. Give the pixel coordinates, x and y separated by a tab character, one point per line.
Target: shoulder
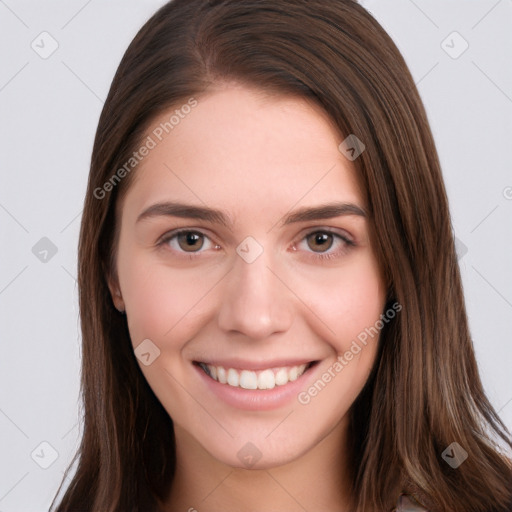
406	503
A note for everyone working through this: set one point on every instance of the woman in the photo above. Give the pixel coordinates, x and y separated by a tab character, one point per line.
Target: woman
271	307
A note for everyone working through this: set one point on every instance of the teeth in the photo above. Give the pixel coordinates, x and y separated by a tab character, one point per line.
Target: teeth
266	380
221	374
233	378
281	377
248	379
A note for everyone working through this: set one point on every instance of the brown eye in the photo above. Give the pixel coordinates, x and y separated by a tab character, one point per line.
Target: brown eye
190	241
320	241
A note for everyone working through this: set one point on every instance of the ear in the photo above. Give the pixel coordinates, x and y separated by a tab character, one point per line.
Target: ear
116	295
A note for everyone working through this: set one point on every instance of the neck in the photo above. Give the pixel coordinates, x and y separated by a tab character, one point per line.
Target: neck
317	480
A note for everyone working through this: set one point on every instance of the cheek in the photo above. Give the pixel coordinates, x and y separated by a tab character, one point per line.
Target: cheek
164	303
348	300
161	303
351	306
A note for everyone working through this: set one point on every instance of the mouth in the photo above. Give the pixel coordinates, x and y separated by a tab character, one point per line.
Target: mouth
266	378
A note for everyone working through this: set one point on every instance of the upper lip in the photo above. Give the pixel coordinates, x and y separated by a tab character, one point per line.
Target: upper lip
241	364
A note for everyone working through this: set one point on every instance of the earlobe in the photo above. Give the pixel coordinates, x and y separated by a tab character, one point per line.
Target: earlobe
118	302
117	298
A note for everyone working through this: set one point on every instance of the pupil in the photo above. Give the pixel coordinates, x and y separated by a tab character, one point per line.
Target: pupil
189	241
321	239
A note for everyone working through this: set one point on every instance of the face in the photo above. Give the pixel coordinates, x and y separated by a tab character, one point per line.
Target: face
245	268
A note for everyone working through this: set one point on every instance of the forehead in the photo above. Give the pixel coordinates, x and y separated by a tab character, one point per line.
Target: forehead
243	150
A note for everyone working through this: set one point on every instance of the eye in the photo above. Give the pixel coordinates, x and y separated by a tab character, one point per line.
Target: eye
321	241
318	243
187	240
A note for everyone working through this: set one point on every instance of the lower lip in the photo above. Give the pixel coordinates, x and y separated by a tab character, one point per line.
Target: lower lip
257	399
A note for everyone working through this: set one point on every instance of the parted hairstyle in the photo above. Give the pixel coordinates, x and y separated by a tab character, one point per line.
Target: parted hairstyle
424	391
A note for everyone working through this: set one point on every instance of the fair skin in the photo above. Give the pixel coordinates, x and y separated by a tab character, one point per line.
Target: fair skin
258	159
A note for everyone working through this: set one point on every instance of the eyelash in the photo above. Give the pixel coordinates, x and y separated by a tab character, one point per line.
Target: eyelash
347	242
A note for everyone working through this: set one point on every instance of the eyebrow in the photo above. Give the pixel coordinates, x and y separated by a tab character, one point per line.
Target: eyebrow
305	214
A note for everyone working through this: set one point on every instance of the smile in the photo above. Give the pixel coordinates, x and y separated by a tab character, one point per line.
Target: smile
256	385
249	379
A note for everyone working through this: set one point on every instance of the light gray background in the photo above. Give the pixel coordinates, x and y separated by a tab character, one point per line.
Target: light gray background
49	109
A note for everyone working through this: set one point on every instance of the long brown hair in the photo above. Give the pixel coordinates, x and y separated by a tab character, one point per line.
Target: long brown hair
424	392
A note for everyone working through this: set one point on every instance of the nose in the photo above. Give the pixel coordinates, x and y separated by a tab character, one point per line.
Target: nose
255	301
